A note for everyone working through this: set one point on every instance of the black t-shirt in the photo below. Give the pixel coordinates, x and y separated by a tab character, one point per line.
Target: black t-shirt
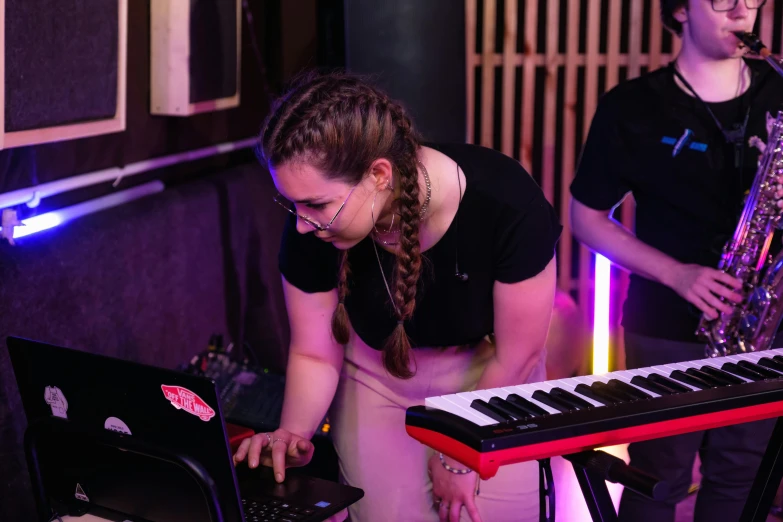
505	230
688	204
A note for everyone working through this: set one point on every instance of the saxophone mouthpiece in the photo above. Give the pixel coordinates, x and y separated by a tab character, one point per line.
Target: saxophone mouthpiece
752	42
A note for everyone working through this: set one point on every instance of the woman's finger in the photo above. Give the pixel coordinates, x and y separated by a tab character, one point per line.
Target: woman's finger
241	453
279	449
443	511
470	507
257	443
454	511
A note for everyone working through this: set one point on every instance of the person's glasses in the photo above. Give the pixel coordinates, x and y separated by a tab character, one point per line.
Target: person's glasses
289	206
723	6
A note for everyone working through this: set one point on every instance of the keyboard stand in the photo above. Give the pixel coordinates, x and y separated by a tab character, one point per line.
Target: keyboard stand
594	468
767	480
65	433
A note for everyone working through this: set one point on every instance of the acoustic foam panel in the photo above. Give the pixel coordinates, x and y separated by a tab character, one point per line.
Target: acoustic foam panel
63	69
195	55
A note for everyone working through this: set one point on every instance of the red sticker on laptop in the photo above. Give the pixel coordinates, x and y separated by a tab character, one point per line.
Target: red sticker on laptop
184	399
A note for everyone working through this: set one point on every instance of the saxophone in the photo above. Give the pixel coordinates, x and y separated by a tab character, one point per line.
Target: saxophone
753	323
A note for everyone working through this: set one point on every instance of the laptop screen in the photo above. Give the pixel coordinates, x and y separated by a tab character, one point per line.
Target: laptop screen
128	406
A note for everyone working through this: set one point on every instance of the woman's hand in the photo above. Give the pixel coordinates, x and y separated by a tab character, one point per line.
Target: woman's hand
703	286
453	491
280	449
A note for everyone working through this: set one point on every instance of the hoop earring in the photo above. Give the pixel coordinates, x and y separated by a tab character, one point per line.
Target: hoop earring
378	233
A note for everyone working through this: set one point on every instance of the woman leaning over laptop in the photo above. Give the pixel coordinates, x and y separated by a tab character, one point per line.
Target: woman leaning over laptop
409	271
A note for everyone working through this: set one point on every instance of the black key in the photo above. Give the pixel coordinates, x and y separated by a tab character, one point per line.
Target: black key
710	379
578	402
647	384
690	379
525	405
771	363
766	372
491	411
615	392
778	358
627	388
595	394
669	383
742	372
508	408
720	374
554	402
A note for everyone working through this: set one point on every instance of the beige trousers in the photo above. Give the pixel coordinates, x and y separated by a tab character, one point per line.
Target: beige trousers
377	455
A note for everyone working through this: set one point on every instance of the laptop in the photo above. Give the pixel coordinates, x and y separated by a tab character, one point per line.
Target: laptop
133	442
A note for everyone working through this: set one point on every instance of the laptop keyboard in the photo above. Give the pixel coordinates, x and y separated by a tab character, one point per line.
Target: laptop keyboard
263	510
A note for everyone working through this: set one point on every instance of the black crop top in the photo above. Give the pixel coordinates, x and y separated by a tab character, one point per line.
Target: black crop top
507	231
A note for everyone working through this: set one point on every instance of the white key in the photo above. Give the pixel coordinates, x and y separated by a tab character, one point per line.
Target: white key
442	403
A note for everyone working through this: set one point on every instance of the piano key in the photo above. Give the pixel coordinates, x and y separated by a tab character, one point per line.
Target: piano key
474	416
570	397
555	402
712	379
681	376
626	376
717	363
766	372
768	362
720	374
596	394
526	392
613	392
465	399
645	383
664	371
532	409
570	385
672	385
744	372
778	358
509	408
627	388
491	410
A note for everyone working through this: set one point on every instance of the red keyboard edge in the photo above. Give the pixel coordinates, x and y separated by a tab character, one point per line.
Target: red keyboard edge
487	463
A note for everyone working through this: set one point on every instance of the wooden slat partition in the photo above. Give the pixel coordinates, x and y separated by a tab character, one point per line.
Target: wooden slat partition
580	70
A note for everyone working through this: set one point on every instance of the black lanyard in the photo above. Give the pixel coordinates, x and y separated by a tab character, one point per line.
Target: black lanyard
734	136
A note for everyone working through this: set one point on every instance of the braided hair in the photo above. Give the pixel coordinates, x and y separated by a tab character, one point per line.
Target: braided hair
340	124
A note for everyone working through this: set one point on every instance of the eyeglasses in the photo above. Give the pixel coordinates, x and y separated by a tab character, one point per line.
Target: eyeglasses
723	6
286	204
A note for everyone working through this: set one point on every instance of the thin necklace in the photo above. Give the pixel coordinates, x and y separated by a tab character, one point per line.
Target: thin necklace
378	257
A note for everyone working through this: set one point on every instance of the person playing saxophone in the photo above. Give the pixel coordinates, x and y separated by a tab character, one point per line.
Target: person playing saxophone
677	138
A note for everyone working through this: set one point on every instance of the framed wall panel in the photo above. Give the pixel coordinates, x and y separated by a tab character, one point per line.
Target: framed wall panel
63	66
195	55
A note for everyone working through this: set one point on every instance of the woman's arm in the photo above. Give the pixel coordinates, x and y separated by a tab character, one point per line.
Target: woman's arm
522	314
314	360
314	364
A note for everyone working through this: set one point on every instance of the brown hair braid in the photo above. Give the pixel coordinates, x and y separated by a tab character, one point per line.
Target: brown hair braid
340	124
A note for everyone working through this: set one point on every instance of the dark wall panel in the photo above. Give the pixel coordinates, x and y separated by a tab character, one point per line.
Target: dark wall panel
60	68
417	51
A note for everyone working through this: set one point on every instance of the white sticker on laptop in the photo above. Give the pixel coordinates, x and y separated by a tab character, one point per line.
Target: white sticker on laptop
115	424
56	400
80	495
184	399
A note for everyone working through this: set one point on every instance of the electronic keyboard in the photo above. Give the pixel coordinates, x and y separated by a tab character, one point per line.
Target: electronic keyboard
485	429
